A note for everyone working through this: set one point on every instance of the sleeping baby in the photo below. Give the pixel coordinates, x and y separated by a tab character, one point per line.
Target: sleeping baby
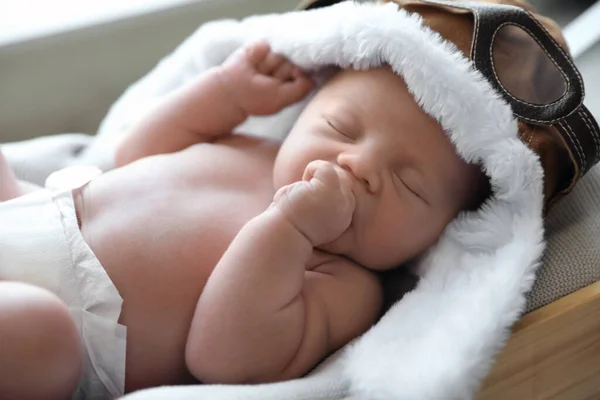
223	258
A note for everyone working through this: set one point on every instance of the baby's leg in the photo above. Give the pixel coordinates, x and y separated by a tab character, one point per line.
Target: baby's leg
9	188
39	344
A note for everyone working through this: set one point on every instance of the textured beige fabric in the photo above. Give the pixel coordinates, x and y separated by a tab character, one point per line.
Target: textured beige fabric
572	257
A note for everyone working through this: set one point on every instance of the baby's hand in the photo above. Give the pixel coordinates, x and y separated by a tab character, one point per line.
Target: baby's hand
321	205
262	82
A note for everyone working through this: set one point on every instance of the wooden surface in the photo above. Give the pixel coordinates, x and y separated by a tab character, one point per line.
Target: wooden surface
553	353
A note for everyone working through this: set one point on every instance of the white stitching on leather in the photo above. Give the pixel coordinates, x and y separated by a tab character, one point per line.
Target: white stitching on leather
577	172
475	12
547	54
578	142
564	131
594	133
476	36
530	139
575	70
590	127
575	141
529	136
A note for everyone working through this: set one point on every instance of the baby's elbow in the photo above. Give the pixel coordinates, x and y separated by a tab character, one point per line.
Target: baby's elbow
208	363
212	363
203	366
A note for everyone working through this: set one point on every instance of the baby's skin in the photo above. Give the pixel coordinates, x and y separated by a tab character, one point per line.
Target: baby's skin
244	260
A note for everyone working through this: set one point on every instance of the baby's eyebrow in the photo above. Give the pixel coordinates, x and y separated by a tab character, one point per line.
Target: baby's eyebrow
341	110
345	108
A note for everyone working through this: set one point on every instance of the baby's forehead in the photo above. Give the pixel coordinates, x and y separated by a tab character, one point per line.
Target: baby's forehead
373	91
372	79
376	96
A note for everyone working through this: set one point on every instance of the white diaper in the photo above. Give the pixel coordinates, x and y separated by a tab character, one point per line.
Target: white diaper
40	243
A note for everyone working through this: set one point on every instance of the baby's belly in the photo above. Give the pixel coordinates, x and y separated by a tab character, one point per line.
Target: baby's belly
160	263
159	241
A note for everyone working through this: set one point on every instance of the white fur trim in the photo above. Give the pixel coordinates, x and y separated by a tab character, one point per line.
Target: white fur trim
440	340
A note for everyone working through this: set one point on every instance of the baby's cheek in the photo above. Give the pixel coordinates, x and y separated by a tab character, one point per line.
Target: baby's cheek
400	232
285	172
290	163
380	249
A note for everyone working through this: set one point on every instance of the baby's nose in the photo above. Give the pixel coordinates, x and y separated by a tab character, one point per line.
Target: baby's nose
362	168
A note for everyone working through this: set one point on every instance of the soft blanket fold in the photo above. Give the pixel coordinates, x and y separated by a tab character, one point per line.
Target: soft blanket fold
439	341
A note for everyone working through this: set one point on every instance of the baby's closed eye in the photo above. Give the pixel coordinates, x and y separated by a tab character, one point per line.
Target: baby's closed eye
342	128
410	185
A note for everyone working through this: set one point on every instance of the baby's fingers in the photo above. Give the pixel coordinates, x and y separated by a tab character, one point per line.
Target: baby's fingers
295	90
271	63
346	187
284	72
322	171
331	177
257	52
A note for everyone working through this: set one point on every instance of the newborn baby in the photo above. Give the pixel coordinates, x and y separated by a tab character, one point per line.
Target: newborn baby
241	259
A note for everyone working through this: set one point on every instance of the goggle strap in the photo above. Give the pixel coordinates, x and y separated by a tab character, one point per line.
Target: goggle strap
310	4
581	133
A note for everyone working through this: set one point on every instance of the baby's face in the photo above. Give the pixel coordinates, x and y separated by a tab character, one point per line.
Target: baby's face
408	181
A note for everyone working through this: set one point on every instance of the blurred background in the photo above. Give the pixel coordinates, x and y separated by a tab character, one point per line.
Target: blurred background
64	62
580	20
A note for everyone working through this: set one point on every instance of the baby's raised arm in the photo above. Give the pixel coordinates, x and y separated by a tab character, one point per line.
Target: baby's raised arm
253	81
265	314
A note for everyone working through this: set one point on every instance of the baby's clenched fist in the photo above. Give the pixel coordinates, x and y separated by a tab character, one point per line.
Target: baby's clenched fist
321	205
262	82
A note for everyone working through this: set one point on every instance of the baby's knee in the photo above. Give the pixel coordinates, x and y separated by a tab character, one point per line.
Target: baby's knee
39	343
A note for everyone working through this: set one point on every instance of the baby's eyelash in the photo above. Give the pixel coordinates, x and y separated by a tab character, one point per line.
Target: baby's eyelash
338	130
410	189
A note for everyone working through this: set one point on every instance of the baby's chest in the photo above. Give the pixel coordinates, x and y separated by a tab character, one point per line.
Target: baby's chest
203	228
208	194
180	213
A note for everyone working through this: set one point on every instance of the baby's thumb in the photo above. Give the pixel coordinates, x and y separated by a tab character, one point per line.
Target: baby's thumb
320	170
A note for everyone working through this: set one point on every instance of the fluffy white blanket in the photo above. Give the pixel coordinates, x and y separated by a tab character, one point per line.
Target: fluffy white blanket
439	341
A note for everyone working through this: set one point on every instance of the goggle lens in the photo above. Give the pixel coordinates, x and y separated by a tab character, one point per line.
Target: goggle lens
524	68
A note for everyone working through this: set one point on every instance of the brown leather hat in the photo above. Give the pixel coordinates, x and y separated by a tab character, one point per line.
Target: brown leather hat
525	57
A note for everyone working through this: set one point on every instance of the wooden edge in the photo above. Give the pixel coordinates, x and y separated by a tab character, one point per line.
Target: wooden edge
553	353
563	305
537	320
